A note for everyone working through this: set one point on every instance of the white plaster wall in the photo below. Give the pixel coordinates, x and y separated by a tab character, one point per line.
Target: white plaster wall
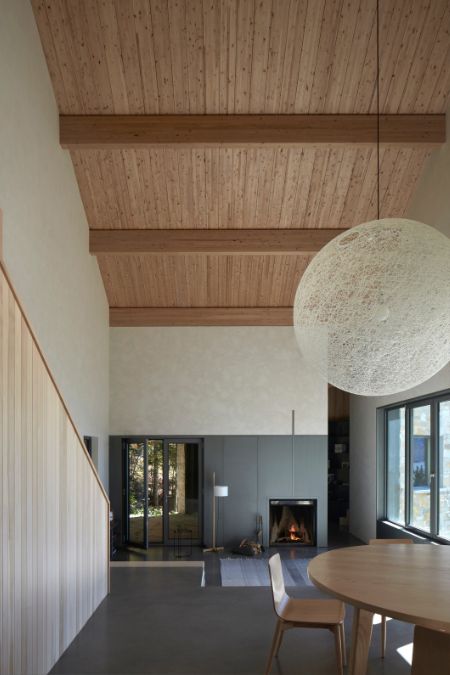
45	230
431	205
208	380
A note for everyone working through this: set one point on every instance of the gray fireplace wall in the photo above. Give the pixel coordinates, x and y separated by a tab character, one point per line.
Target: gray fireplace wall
256	469
259	468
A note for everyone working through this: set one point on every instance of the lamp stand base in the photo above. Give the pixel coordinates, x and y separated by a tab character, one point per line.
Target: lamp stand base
213	549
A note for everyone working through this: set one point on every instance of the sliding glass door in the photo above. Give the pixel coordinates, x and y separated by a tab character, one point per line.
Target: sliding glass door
162	490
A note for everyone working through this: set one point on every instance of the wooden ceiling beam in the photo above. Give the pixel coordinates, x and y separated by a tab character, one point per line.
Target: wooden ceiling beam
214	242
135	131
200	316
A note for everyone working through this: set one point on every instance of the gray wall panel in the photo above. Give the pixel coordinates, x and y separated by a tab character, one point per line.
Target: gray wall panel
275	474
212	461
275	462
240	464
240	507
239	520
311	478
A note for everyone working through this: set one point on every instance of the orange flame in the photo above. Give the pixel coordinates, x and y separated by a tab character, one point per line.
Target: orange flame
293	534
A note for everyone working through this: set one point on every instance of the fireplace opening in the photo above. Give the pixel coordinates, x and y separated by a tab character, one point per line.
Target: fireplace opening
292	522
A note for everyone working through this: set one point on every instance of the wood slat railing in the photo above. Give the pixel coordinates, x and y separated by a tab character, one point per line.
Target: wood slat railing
54	527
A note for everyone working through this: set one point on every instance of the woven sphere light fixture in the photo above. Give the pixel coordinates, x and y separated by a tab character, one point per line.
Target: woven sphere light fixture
372	311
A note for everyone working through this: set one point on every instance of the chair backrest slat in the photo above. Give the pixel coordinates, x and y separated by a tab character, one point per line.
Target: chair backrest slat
277	582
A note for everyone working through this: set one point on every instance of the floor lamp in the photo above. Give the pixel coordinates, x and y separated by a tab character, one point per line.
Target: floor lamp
218	491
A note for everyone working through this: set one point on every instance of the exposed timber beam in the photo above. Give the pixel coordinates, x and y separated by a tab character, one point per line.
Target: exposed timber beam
217	242
200	316
135	131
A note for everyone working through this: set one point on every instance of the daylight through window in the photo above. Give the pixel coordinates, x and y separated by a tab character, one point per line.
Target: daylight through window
417	469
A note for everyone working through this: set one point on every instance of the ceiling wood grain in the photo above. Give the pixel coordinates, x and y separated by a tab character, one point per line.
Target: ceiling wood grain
201	280
255	57
237	188
227	58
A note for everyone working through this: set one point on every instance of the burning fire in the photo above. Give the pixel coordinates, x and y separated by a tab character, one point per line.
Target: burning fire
293	534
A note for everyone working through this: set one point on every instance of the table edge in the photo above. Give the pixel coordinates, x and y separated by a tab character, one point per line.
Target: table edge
401	616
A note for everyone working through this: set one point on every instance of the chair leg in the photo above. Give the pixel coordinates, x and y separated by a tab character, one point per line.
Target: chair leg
276	635
383	636
344	648
280	638
338	643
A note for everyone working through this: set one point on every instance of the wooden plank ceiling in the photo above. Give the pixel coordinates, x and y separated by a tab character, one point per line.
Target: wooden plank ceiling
239	57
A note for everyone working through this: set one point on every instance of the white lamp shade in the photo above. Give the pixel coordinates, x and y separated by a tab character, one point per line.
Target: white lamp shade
372	311
220	490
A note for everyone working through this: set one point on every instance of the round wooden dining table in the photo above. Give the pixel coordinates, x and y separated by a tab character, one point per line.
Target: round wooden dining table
409	583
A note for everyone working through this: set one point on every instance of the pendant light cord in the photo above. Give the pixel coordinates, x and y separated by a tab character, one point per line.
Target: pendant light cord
378	109
293	453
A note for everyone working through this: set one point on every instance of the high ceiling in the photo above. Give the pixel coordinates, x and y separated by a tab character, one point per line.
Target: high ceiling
229	57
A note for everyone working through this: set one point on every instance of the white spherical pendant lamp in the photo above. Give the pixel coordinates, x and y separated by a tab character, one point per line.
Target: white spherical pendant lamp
372	311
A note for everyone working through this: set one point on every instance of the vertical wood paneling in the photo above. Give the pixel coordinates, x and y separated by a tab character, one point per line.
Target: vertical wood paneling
54	553
338	403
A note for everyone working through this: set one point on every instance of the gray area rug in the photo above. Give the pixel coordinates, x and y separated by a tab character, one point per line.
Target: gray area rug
255	572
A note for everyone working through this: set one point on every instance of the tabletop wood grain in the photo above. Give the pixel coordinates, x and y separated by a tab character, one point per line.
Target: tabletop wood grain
410	583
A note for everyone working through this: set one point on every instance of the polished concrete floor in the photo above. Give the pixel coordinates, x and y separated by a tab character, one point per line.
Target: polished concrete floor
336	539
160	621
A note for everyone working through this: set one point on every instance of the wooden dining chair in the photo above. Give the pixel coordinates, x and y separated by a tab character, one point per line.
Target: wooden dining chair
299	613
383	618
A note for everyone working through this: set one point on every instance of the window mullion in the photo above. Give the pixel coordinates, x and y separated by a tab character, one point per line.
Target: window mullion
434	481
408	478
385	463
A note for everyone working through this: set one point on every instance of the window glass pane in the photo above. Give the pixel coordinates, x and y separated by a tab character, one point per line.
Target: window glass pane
183	491
136	495
155	451
396	465
444	469
420	467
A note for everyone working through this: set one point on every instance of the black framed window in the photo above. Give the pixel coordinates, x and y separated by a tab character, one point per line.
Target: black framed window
162	490
417	465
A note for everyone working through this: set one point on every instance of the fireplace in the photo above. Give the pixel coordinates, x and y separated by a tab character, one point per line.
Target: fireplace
292	522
